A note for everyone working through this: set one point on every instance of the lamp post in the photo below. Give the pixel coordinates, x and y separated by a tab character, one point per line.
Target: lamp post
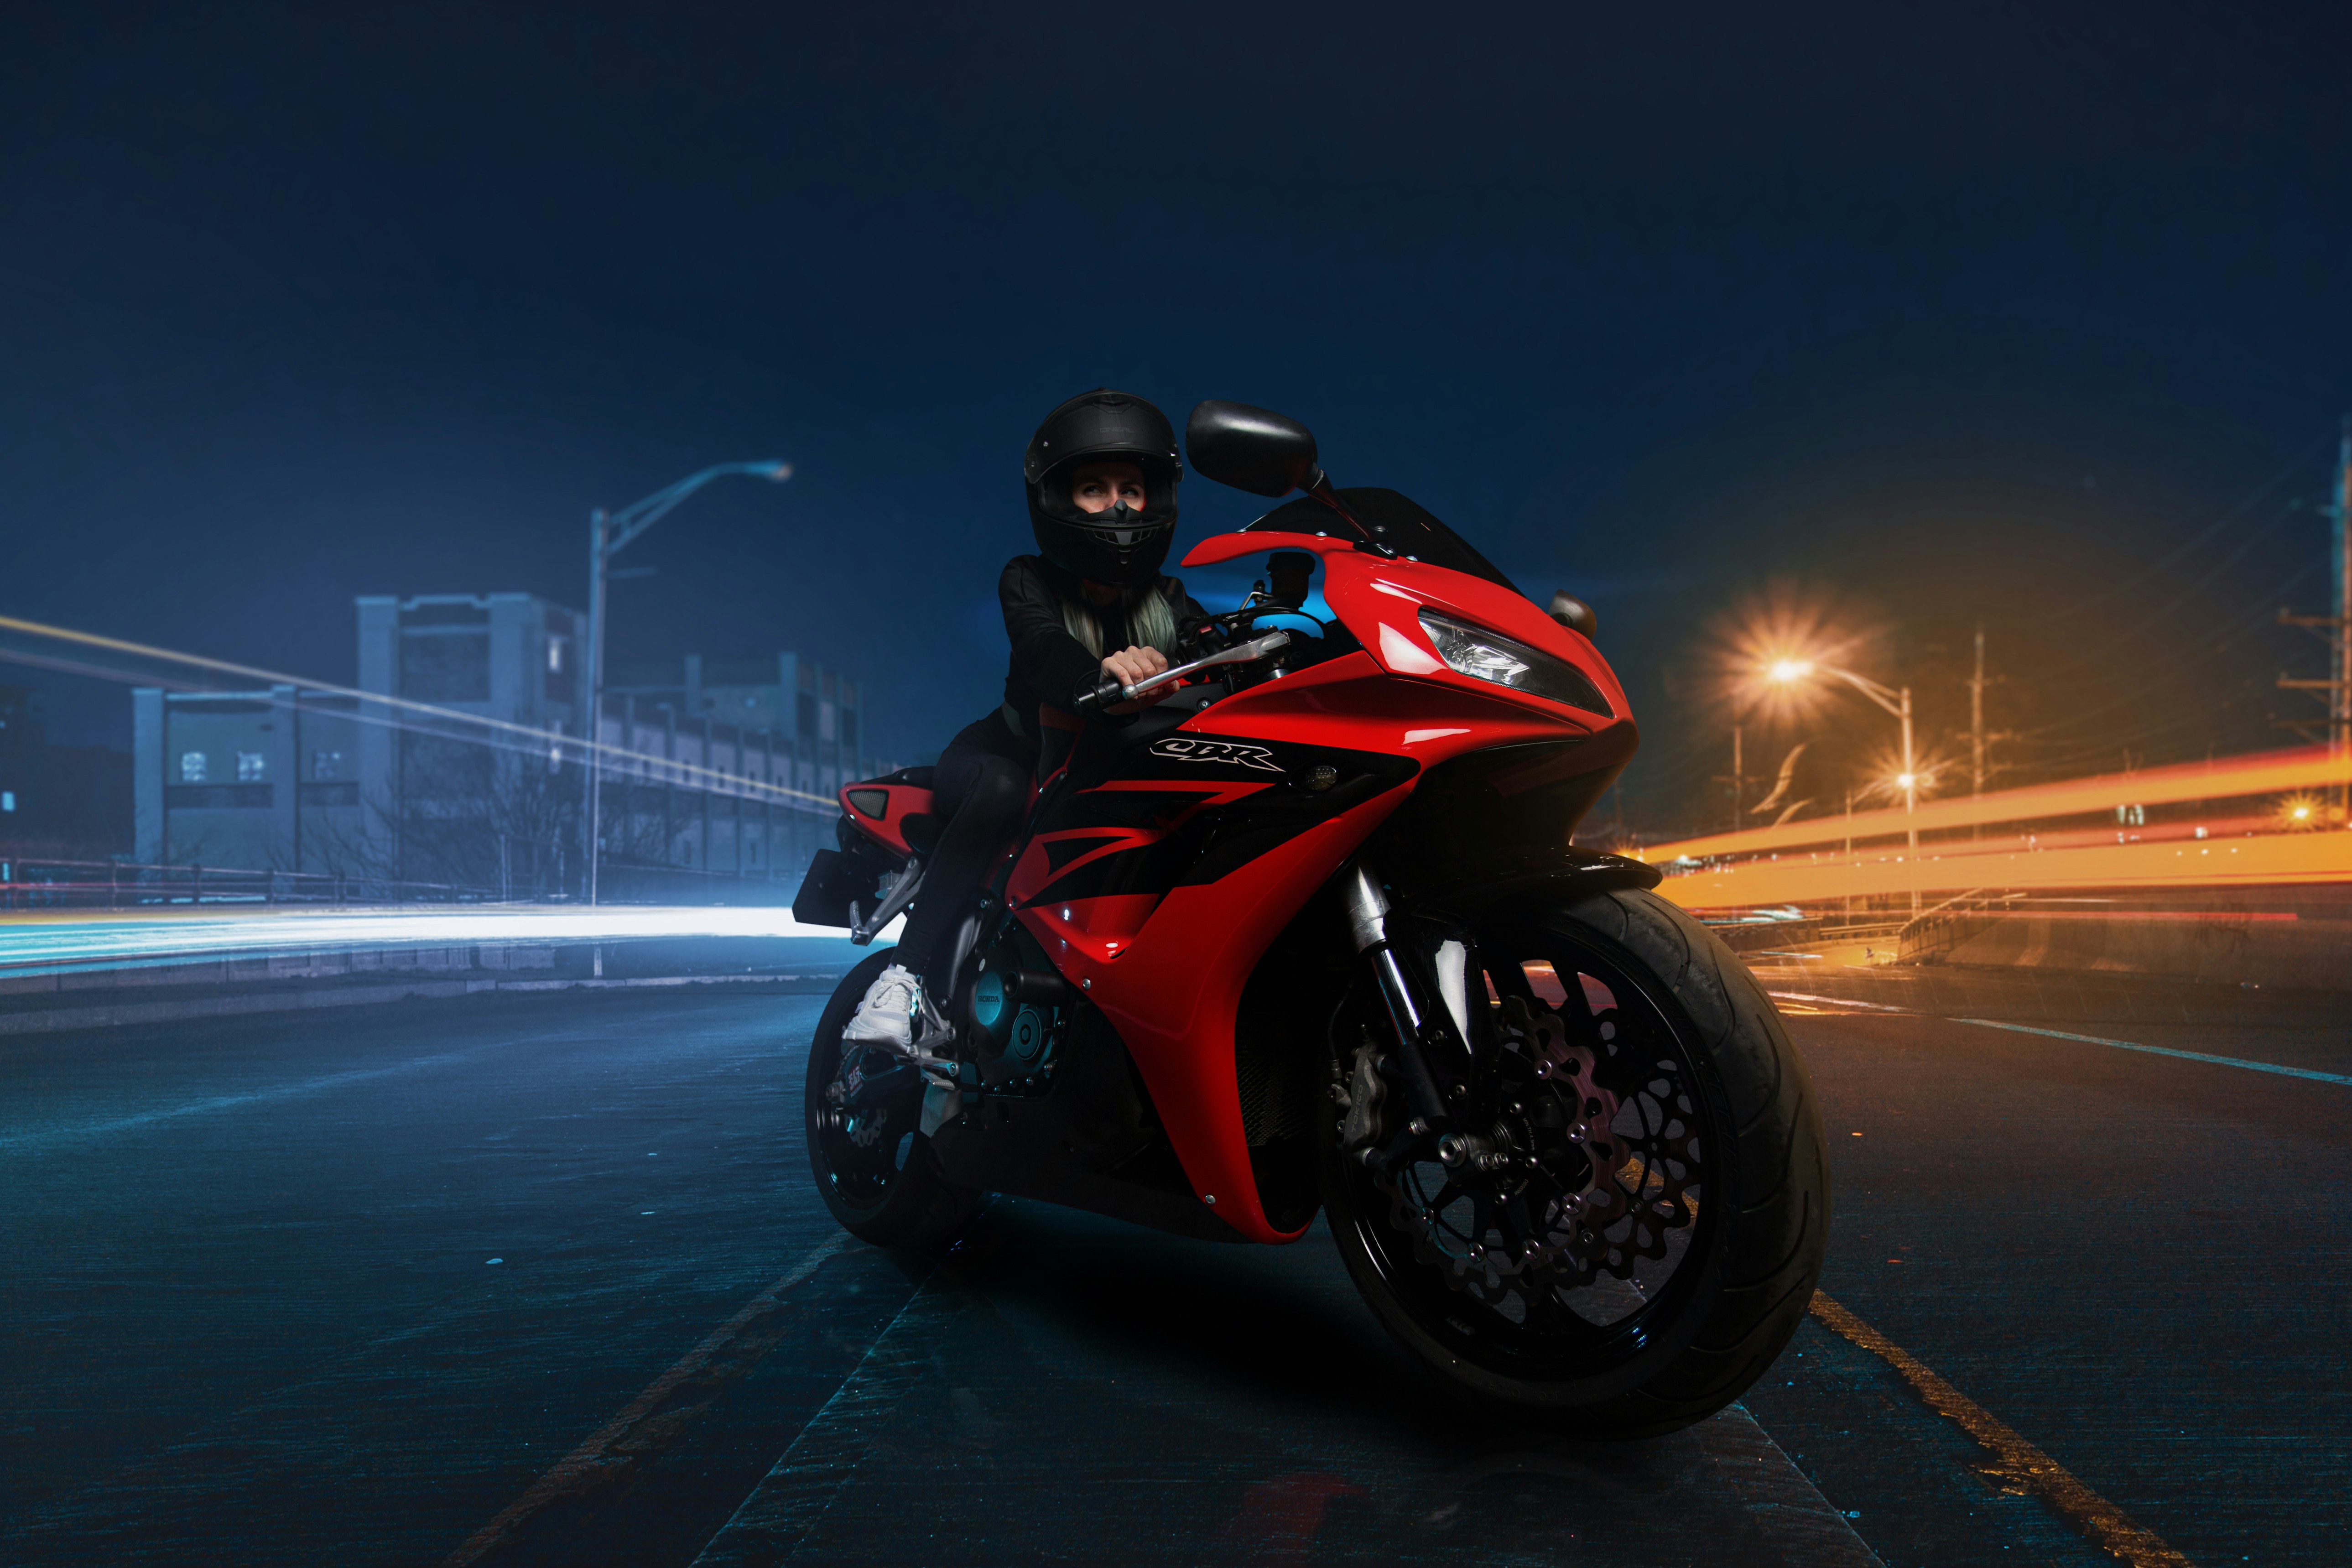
608	535
1896	700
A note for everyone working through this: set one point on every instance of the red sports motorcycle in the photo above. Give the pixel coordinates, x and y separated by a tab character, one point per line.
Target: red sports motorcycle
1311	933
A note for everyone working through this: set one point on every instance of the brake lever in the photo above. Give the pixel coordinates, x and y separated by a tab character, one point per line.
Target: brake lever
1106	690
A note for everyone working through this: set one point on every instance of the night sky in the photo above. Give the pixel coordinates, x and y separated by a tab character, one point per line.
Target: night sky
2037	315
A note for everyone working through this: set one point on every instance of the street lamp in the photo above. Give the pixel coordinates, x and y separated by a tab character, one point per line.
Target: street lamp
608	535
1897	701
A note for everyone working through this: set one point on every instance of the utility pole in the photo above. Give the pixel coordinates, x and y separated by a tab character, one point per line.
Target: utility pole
1979	742
608	534
1975	720
1737	779
2335	629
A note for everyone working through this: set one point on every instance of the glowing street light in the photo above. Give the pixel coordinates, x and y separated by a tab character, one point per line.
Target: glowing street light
1789	671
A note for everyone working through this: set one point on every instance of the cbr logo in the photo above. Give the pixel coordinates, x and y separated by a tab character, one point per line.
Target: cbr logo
1188	750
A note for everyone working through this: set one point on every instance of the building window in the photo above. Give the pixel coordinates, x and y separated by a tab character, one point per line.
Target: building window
849	727
326	765
445	666
192	767
556	683
252	767
807	707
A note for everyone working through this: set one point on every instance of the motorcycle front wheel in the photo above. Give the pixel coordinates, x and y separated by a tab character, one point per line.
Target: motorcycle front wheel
1626	1227
875	1170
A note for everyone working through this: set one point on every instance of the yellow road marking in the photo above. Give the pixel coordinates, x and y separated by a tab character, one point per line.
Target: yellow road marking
2017	1465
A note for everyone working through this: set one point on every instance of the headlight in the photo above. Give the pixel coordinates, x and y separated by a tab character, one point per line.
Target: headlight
1482	654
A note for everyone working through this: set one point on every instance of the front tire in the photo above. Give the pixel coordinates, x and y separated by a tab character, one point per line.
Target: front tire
1653	1213
875	1170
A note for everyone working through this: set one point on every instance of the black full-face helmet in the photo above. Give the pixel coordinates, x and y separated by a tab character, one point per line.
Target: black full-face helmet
1121	546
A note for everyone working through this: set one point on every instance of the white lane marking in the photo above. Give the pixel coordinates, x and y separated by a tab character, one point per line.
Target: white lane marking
793	1498
1777	1495
2164	1051
1836	1001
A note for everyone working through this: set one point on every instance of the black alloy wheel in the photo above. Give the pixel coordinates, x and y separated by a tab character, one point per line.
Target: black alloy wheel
1625	1224
874	1168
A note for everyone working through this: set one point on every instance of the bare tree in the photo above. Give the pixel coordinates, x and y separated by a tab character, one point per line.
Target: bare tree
470	815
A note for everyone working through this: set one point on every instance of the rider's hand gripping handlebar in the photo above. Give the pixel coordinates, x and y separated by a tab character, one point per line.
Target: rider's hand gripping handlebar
1095	696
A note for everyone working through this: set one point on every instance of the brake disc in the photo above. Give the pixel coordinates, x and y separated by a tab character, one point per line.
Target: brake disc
1566	1185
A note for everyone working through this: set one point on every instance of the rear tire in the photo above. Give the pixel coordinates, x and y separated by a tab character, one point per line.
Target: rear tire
1676	1320
890	1191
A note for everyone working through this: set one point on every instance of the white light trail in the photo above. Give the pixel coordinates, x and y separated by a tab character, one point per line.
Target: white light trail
33	944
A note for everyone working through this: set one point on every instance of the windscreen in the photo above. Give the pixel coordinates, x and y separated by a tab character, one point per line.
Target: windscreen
1395	521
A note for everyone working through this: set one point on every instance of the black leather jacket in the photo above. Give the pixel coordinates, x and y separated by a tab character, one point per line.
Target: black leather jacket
1047	661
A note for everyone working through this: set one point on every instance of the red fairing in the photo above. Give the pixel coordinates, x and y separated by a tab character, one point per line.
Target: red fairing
1380	599
1173	997
880	811
1167	967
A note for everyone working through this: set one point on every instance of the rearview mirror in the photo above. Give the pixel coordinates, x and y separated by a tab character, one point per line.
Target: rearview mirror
1574	614
1252	450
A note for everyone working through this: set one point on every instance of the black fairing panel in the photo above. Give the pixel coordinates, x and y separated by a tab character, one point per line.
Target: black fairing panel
1500	801
1194	808
1485	882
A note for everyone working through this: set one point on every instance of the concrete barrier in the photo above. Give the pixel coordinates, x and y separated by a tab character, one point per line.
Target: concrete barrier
2299	938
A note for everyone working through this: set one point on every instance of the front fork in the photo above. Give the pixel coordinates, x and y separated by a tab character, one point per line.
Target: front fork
1432	1053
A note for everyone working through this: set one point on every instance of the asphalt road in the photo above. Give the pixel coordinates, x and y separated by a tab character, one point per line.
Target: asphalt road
543	1279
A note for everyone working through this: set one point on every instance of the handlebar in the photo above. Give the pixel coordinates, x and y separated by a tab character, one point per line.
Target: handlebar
1106	689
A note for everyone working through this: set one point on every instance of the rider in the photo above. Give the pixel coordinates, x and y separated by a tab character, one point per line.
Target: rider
1102	472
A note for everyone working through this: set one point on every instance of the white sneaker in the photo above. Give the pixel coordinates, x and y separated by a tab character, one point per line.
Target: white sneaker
886	1017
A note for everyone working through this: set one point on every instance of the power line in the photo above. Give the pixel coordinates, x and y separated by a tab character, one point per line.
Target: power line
2199	538
603	752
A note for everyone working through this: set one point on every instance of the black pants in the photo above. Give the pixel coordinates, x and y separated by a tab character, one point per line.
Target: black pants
980	785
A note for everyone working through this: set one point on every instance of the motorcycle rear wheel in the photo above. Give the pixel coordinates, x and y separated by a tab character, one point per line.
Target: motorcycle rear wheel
1722	1196
888	1189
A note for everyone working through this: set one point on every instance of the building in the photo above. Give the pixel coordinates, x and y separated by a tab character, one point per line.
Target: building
470	783
63	803
777	718
250	780
294	780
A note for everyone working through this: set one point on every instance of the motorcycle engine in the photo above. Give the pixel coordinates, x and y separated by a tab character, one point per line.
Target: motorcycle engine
1016	1012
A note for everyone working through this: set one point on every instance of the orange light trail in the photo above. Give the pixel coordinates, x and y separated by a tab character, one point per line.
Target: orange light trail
1804	862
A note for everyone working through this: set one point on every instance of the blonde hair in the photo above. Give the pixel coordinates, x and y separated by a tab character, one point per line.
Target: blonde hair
1151	621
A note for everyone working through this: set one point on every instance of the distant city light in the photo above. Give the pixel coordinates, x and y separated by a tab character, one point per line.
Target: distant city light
2303	809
